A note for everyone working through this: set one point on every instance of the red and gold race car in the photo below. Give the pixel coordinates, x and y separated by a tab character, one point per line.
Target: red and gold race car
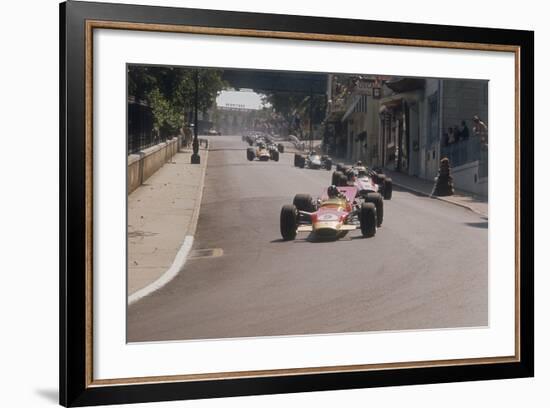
336	212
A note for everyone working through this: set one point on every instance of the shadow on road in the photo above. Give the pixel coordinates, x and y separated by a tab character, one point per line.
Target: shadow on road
318	240
406	190
483	224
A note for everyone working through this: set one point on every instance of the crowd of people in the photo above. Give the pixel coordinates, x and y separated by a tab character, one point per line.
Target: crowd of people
456	134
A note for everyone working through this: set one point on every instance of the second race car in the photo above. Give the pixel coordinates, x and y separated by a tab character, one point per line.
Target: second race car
365	179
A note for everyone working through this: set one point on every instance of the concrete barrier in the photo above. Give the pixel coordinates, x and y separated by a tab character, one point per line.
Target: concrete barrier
145	163
466	178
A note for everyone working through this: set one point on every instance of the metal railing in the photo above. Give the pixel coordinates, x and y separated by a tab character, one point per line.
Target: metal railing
464	151
140	130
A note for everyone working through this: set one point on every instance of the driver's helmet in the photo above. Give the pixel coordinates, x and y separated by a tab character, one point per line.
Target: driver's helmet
261	145
361	171
333	192
351	174
359	163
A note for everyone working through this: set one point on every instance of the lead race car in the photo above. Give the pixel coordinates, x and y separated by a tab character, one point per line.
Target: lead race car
365	179
313	161
332	215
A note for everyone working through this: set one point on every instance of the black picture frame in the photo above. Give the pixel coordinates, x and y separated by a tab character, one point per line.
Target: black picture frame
76	385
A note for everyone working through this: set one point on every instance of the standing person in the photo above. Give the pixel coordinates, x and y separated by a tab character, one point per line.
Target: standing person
481	130
464	132
451	136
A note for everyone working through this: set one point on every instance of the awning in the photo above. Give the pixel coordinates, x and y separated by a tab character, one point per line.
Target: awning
406	84
390	103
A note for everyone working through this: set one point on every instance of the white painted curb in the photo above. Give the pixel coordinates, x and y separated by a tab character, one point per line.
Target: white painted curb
171	273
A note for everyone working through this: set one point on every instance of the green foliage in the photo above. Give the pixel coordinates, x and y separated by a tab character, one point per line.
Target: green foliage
170	91
288	104
166	118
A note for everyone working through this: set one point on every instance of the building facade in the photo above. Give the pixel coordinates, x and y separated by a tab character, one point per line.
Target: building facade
352	117
409	124
424	120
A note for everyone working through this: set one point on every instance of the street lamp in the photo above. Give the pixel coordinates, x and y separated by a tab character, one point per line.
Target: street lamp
195	158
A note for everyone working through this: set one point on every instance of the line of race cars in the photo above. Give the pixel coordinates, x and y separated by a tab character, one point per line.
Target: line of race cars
355	200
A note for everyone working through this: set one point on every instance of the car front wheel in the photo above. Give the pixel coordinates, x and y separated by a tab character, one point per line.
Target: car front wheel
289	222
376	199
368	220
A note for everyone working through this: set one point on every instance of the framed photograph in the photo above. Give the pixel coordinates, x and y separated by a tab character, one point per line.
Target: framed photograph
257	204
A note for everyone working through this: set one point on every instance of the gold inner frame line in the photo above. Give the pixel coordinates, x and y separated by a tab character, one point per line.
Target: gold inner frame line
100	24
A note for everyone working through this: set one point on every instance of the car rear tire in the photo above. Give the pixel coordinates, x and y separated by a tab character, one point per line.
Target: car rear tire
289	222
328	164
368	220
281	148
303	202
379	179
335	177
250	154
297	160
378	202
275	155
388	188
342	180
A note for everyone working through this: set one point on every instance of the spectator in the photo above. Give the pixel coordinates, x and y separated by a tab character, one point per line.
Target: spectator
451	136
463	131
481	130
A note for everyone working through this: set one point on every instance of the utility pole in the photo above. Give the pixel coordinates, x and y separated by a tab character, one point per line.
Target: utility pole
195	158
310	120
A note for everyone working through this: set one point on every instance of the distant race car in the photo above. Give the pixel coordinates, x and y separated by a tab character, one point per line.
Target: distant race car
365	179
262	152
313	161
271	145
333	215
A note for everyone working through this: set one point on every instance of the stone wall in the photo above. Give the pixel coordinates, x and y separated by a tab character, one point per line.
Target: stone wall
145	163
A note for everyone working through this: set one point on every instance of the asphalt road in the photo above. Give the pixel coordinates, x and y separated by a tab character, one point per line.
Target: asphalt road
425	268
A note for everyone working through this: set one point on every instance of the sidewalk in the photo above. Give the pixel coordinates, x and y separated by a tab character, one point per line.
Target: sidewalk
162	217
477	204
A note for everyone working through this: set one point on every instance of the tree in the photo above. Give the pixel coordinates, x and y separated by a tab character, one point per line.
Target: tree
170	92
288	105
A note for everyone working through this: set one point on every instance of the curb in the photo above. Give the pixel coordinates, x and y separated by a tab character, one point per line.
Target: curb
446	200
181	256
171	273
195	218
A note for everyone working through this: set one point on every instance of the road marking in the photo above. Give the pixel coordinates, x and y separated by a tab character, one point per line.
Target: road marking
171	273
206	253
